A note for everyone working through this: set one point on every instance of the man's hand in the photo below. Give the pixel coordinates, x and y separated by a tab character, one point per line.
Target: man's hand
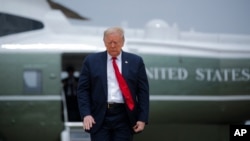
139	126
88	122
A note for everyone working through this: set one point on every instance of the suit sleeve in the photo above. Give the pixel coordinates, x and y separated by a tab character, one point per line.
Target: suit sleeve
83	90
143	93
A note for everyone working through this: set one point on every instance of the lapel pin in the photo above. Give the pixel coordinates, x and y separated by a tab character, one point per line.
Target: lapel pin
126	62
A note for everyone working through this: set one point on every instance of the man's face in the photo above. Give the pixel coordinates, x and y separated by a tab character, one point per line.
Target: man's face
114	43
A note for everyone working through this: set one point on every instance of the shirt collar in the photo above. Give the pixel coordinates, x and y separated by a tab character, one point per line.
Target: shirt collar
118	57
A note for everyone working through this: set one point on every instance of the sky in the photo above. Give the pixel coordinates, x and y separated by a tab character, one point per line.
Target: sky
209	16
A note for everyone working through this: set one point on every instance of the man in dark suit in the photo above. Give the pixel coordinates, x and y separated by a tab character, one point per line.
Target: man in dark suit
70	87
102	103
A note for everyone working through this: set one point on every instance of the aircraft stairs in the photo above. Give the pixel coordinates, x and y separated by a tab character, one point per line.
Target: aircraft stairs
74	132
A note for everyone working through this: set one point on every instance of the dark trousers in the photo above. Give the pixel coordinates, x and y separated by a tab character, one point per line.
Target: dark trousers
115	126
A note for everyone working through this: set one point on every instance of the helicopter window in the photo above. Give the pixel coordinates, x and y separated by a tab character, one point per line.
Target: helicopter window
11	24
32	81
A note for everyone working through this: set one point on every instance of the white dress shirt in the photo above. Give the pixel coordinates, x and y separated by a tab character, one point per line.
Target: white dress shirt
114	92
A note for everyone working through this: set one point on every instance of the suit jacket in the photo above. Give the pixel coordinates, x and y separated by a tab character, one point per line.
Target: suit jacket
92	87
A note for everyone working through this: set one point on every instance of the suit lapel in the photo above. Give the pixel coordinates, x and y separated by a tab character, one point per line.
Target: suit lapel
125	64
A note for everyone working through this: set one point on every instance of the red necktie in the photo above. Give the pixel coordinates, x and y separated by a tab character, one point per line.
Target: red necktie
123	86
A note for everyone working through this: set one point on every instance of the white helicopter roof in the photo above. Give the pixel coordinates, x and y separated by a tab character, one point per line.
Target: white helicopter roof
58	34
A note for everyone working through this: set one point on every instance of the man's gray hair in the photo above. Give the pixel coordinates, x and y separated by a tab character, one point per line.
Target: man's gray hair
112	30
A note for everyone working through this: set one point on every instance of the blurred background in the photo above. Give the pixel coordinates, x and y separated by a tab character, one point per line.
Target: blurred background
210	16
